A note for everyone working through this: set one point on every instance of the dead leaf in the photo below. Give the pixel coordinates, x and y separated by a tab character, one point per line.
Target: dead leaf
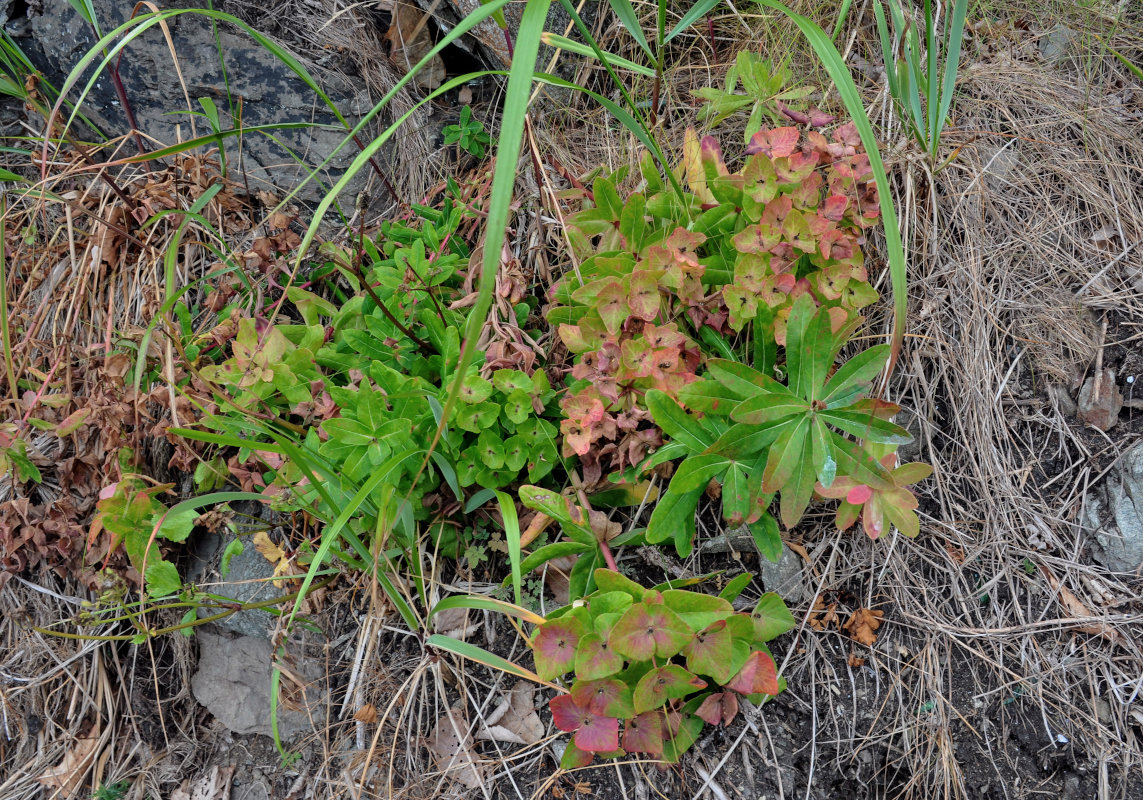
1074	607
456	623
214	785
451	747
822	616
67	775
367	714
274	554
863	624
515	719
409	42
557	578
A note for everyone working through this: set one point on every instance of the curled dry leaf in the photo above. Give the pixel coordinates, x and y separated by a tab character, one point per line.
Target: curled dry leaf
456	623
451	747
1074	607
67	775
274	554
822	616
367	714
214	785
515	719
863	624
1100	401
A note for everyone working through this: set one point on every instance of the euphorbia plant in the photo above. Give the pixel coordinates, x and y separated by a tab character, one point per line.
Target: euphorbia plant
651	665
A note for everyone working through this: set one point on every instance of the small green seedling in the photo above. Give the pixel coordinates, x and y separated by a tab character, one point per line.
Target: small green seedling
468	134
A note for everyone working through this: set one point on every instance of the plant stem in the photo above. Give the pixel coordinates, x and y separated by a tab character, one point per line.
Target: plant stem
425	346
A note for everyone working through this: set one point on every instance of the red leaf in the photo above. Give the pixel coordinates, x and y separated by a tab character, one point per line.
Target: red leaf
719	707
645	631
598	734
834	208
565	712
554	646
858	494
758	675
644	734
607	697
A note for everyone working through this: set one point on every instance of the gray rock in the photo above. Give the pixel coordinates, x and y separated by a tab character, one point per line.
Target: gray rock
787	577
1120	502
233	682
269	92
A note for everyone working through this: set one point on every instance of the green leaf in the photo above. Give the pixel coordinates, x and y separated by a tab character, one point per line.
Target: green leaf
769	409
649	631
554	646
742	379
855	420
855	376
695	472
548	552
572	46
610	581
595	659
482	656
696	12
709	397
163	580
767	537
735	586
233	549
675	422
771	618
662	684
674	518
626	15
697	610
710	653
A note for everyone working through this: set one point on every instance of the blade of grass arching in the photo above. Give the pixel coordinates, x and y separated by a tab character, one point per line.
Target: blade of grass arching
488	604
639	121
512	537
564	43
842	15
482	656
915	86
626	14
514	110
952	62
834	64
697	12
932	53
1134	68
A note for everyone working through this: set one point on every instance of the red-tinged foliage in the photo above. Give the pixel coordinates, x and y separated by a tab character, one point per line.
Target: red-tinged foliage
758	675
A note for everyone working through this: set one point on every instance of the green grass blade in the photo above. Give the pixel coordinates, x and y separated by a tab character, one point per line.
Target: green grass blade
932	53
626	14
482	656
834	64
512	535
488	604
887	48
698	11
564	43
952	62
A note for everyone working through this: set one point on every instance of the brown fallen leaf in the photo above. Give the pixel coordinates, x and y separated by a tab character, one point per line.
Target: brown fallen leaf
456	623
367	714
409	42
557	578
214	785
863	624
822	616
451	748
515	720
1074	607
67	775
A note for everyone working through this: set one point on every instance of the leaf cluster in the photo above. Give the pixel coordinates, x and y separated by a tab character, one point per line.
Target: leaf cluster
660	662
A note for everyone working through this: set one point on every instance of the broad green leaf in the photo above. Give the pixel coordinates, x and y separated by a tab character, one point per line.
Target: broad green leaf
548	552
610	581
709	397
855	376
695	472
767	409
649	631
674	518
606	697
594	659
662	684
709	653
742	379
771	618
864	425
824	464
676	423
554	646
163	580
735	495
786	456
734	587
767	537
697	610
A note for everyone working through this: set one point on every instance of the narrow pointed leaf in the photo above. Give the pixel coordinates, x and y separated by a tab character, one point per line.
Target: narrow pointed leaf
676	423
